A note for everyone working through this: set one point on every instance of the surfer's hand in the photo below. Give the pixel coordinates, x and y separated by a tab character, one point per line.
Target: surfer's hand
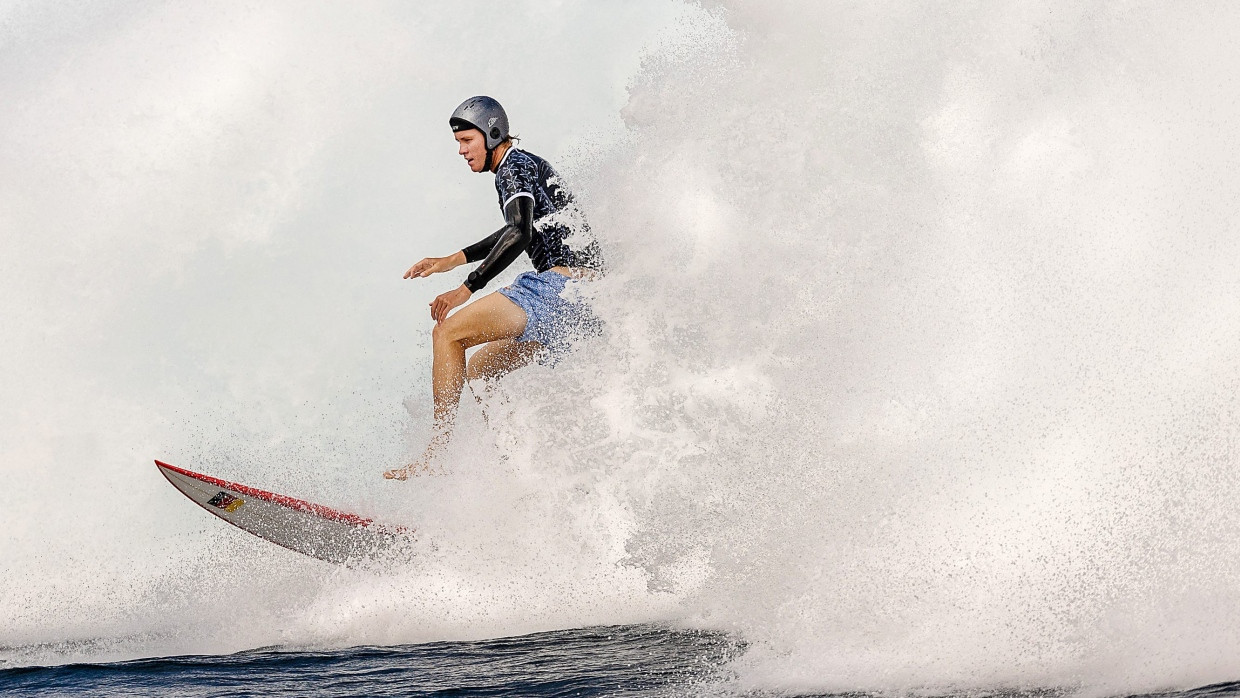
435	265
445	302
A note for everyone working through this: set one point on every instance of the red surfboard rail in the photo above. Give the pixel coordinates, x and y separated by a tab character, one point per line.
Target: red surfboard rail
282	500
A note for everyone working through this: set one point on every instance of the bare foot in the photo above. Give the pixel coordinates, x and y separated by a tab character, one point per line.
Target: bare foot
423	465
411	470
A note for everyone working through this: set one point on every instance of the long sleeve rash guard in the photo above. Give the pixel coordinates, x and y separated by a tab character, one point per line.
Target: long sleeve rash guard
500	248
540	216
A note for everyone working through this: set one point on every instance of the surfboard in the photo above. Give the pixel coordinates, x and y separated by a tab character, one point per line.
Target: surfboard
312	529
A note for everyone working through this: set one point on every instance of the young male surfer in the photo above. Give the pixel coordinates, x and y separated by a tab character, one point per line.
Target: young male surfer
523	319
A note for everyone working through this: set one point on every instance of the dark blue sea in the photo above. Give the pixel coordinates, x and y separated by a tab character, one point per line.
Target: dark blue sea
601	661
642	660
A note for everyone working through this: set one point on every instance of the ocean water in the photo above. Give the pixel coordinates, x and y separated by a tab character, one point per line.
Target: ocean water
600	661
919	373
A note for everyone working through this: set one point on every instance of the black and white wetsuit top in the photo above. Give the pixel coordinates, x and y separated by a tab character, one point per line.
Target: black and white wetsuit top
541	218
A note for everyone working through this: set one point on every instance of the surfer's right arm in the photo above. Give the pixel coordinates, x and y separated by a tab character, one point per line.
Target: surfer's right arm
479	250
435	265
475	252
499	249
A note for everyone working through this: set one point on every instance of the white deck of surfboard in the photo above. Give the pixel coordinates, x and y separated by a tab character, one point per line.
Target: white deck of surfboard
312	529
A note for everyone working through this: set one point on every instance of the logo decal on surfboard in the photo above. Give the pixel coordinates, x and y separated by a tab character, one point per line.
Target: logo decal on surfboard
226	501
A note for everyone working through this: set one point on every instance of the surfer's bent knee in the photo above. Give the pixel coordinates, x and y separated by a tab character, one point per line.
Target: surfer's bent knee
447	331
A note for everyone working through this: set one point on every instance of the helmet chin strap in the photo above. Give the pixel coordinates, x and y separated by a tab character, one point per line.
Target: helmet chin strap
486	166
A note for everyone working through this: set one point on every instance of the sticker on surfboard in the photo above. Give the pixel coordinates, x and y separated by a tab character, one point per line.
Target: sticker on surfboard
312	529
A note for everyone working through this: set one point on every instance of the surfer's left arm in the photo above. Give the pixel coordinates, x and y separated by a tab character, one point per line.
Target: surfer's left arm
510	242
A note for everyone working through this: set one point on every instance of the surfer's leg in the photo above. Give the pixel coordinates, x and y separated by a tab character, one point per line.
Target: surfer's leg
494	359
491	319
488	319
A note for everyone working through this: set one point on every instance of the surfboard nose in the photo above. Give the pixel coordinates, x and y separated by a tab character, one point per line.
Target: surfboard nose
308	528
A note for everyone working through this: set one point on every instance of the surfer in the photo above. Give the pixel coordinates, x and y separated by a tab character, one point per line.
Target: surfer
528	319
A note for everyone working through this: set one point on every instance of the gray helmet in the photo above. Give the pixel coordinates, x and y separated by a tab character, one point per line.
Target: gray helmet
484	114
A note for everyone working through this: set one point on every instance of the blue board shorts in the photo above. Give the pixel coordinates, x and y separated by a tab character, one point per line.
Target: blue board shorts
551	319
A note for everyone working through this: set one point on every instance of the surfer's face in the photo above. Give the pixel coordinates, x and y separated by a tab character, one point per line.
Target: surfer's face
473	147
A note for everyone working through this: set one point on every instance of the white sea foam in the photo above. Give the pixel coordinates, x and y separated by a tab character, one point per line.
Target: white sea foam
919	369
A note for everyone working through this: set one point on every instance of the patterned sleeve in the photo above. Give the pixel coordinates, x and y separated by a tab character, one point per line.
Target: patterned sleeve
519	178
